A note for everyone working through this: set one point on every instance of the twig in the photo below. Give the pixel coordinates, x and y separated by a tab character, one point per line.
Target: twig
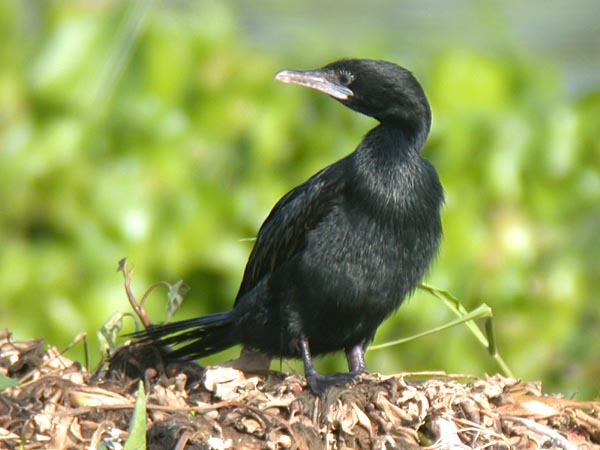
139	309
557	438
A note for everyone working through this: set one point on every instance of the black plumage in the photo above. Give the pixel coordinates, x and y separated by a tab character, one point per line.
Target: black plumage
340	252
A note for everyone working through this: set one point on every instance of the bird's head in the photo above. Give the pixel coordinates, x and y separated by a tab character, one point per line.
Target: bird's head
379	89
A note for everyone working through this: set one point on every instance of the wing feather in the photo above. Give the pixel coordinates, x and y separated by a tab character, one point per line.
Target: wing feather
283	233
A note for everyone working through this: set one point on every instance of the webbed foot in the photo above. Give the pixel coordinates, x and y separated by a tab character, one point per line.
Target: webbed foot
319	384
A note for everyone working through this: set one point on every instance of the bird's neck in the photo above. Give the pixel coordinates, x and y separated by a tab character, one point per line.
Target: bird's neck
389	172
392	143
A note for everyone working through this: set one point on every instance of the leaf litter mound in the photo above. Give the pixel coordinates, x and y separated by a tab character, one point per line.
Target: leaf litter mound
59	405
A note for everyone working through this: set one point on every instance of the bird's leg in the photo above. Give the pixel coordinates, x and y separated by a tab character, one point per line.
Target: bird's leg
355	356
320	383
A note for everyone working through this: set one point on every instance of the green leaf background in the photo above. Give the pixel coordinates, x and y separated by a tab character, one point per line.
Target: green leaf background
155	131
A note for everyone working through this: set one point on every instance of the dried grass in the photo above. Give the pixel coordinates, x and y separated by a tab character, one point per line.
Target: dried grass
59	405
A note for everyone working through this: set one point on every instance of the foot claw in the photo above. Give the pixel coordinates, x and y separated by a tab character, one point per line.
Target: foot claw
319	384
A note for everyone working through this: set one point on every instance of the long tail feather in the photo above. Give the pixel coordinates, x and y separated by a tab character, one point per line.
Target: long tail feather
192	338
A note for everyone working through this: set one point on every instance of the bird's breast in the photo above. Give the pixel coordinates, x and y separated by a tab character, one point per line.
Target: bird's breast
367	258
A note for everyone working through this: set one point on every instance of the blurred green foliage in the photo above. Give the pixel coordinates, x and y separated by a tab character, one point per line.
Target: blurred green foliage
156	132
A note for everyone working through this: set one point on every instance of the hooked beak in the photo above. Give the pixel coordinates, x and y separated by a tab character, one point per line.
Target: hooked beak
315	79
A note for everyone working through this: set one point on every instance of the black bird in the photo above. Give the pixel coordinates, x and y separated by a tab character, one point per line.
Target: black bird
340	252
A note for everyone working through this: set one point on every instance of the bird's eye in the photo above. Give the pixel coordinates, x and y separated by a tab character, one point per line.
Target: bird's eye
345	78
